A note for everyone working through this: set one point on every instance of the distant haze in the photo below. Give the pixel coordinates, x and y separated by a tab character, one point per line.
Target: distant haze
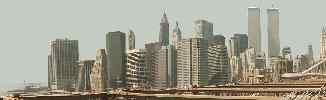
26	26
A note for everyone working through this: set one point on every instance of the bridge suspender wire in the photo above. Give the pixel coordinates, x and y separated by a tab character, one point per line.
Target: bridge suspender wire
313	67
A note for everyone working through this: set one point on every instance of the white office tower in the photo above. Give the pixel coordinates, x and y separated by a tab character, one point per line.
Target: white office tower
62	64
254	28
162	68
192	63
136	77
218	61
273	32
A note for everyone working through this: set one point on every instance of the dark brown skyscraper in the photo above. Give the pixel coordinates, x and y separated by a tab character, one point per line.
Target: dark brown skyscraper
164	31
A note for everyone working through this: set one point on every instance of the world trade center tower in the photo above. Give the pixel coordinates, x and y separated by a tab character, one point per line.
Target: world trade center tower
254	28
273	32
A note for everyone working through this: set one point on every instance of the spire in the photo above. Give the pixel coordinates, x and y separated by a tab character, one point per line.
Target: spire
164	18
323	30
176	28
176	35
131	40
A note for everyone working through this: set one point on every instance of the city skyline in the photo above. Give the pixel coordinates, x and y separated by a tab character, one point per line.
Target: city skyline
186	26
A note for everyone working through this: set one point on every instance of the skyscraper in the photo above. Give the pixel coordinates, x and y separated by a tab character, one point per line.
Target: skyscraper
192	62
161	77
172	57
136	69
164	31
176	35
84	75
273	32
131	40
254	28
238	44
99	74
116	51
203	29
62	64
218	61
172	66
151	60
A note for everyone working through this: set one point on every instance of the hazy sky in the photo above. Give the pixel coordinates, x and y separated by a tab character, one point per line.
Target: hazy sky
26	26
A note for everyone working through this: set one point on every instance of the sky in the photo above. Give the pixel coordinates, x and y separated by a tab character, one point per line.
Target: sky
26	26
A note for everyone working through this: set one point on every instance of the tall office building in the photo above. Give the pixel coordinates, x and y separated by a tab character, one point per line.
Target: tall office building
176	35
62	64
172	66
131	40
218	61
151	60
238	44
254	28
323	44
136	69
84	75
161	78
116	51
99	74
273	32
164	31
203	29
172	57
192	62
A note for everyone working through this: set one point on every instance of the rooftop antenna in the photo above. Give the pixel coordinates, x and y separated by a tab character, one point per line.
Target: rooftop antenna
164	10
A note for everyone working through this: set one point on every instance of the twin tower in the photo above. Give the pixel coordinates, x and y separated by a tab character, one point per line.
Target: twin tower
254	30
